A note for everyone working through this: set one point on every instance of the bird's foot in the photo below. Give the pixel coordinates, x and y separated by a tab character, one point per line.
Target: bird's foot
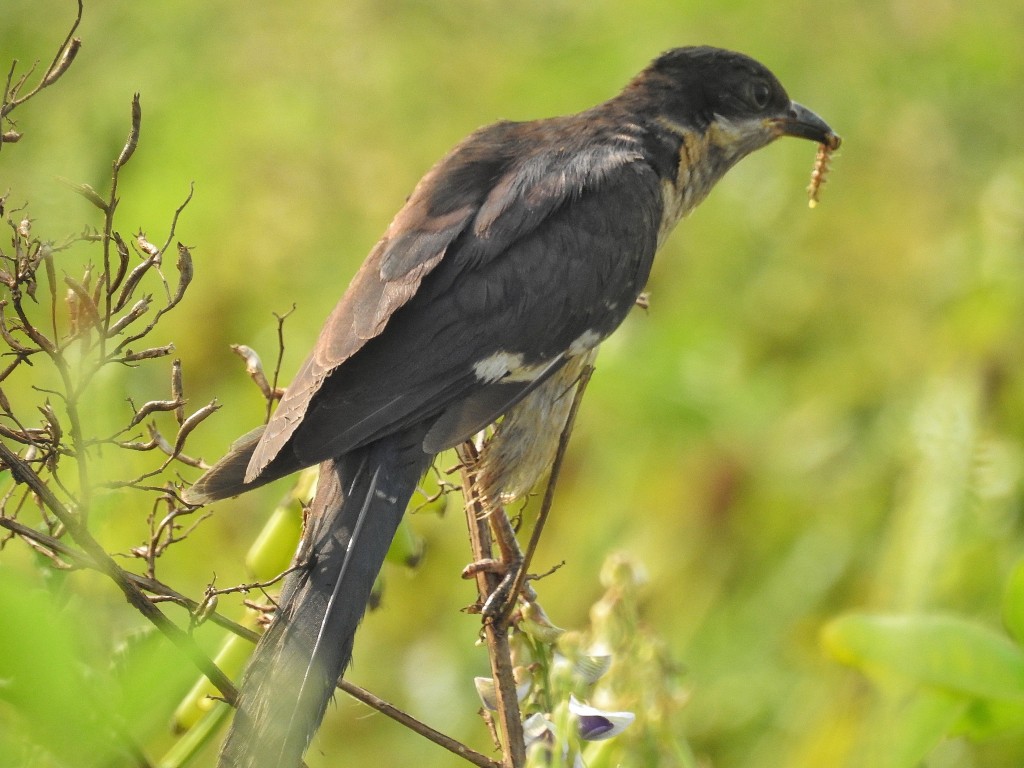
501	601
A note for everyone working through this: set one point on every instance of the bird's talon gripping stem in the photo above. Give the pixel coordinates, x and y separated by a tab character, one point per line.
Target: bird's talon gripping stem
487	565
500	603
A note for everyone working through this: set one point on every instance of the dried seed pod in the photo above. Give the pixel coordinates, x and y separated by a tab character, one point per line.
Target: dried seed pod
130	317
206	608
147	247
185	273
160	441
132	282
74	311
87	192
86	308
151	407
191	423
147	354
68	56
56	432
178	391
133	137
253	367
122	266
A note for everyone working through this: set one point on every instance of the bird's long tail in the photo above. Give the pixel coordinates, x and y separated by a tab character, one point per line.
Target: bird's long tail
359	503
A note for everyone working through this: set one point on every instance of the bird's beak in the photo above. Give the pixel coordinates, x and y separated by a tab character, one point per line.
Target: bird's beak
800	122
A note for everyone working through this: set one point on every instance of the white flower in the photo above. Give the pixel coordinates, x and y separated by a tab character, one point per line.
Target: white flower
538	729
486	691
590	669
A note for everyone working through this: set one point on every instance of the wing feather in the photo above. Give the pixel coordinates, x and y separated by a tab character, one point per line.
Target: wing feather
494	190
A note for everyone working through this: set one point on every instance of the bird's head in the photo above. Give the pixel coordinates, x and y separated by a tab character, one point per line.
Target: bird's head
733	103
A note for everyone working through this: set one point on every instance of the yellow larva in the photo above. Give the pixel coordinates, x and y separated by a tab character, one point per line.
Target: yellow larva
820	169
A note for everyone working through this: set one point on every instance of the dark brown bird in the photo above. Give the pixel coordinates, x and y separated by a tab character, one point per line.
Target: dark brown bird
514	257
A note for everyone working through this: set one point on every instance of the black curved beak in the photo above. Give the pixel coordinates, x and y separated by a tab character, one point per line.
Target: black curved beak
801	123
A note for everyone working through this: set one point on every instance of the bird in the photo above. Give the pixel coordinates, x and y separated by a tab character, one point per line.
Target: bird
513	258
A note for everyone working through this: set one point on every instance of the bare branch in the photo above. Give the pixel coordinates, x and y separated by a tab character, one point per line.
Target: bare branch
60	64
105	564
278	392
177	215
417	726
495	629
78	559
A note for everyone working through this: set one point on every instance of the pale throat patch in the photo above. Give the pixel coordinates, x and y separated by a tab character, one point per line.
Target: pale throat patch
703	160
681	195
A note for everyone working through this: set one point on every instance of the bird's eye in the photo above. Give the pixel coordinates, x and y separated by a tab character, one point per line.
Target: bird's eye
760	94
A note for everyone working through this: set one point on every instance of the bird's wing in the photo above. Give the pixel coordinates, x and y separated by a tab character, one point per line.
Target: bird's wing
450	257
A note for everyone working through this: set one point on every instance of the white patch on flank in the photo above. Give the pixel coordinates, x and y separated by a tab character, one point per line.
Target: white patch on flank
586	342
497	366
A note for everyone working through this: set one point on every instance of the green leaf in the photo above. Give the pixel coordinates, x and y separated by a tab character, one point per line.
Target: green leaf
936	650
196	738
55	706
200	700
274	548
905	729
987	720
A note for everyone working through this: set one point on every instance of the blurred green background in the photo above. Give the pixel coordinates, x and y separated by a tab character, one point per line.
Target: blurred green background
821	412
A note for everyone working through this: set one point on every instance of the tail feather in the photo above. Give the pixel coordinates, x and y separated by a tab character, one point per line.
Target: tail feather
226	478
359	503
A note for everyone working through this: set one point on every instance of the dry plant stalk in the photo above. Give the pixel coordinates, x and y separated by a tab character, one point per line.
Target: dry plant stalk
501	583
60	334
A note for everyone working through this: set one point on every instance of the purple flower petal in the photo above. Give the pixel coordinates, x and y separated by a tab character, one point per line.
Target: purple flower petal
595	724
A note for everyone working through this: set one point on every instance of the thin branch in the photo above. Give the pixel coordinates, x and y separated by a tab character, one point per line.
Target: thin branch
177	215
79	559
495	629
61	61
385	708
70	403
106	565
275	392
